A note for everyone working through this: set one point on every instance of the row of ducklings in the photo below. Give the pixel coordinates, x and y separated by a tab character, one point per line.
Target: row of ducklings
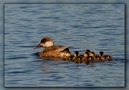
88	56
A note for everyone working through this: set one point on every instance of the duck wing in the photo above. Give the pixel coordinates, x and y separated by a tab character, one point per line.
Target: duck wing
56	48
61	48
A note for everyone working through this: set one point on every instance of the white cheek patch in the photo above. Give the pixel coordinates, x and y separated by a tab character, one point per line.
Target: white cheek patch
48	44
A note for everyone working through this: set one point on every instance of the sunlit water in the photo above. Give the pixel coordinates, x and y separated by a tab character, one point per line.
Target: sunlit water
98	27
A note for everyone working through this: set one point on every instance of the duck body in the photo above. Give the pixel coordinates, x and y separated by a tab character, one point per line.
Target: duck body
105	57
55	52
98	57
78	57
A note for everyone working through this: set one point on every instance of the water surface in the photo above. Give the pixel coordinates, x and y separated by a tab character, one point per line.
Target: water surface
98	27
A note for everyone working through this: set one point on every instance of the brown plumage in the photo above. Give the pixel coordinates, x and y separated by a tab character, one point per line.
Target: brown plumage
45	39
105	57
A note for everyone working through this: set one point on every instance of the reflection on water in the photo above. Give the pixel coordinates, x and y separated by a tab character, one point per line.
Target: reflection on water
99	27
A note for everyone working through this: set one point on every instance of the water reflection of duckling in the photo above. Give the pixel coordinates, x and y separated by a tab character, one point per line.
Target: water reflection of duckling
105	57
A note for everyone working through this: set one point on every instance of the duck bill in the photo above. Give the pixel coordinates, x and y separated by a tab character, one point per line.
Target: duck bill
38	46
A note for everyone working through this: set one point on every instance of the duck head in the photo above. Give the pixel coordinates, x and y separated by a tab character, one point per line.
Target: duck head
101	53
87	50
45	42
76	53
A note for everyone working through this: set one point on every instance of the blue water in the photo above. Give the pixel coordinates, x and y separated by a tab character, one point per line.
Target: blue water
98	27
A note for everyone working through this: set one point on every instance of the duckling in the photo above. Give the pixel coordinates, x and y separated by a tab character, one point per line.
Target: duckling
71	58
87	59
101	56
86	54
67	54
105	57
97	57
91	53
78	57
81	58
91	59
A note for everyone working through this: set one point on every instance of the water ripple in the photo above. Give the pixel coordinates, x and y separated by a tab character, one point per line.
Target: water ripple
98	27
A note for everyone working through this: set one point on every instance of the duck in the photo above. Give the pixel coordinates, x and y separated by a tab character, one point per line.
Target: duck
72	57
87	57
77	57
90	54
51	50
105	57
97	57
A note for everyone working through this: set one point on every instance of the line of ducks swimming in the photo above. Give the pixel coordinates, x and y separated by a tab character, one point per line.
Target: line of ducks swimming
58	51
88	57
